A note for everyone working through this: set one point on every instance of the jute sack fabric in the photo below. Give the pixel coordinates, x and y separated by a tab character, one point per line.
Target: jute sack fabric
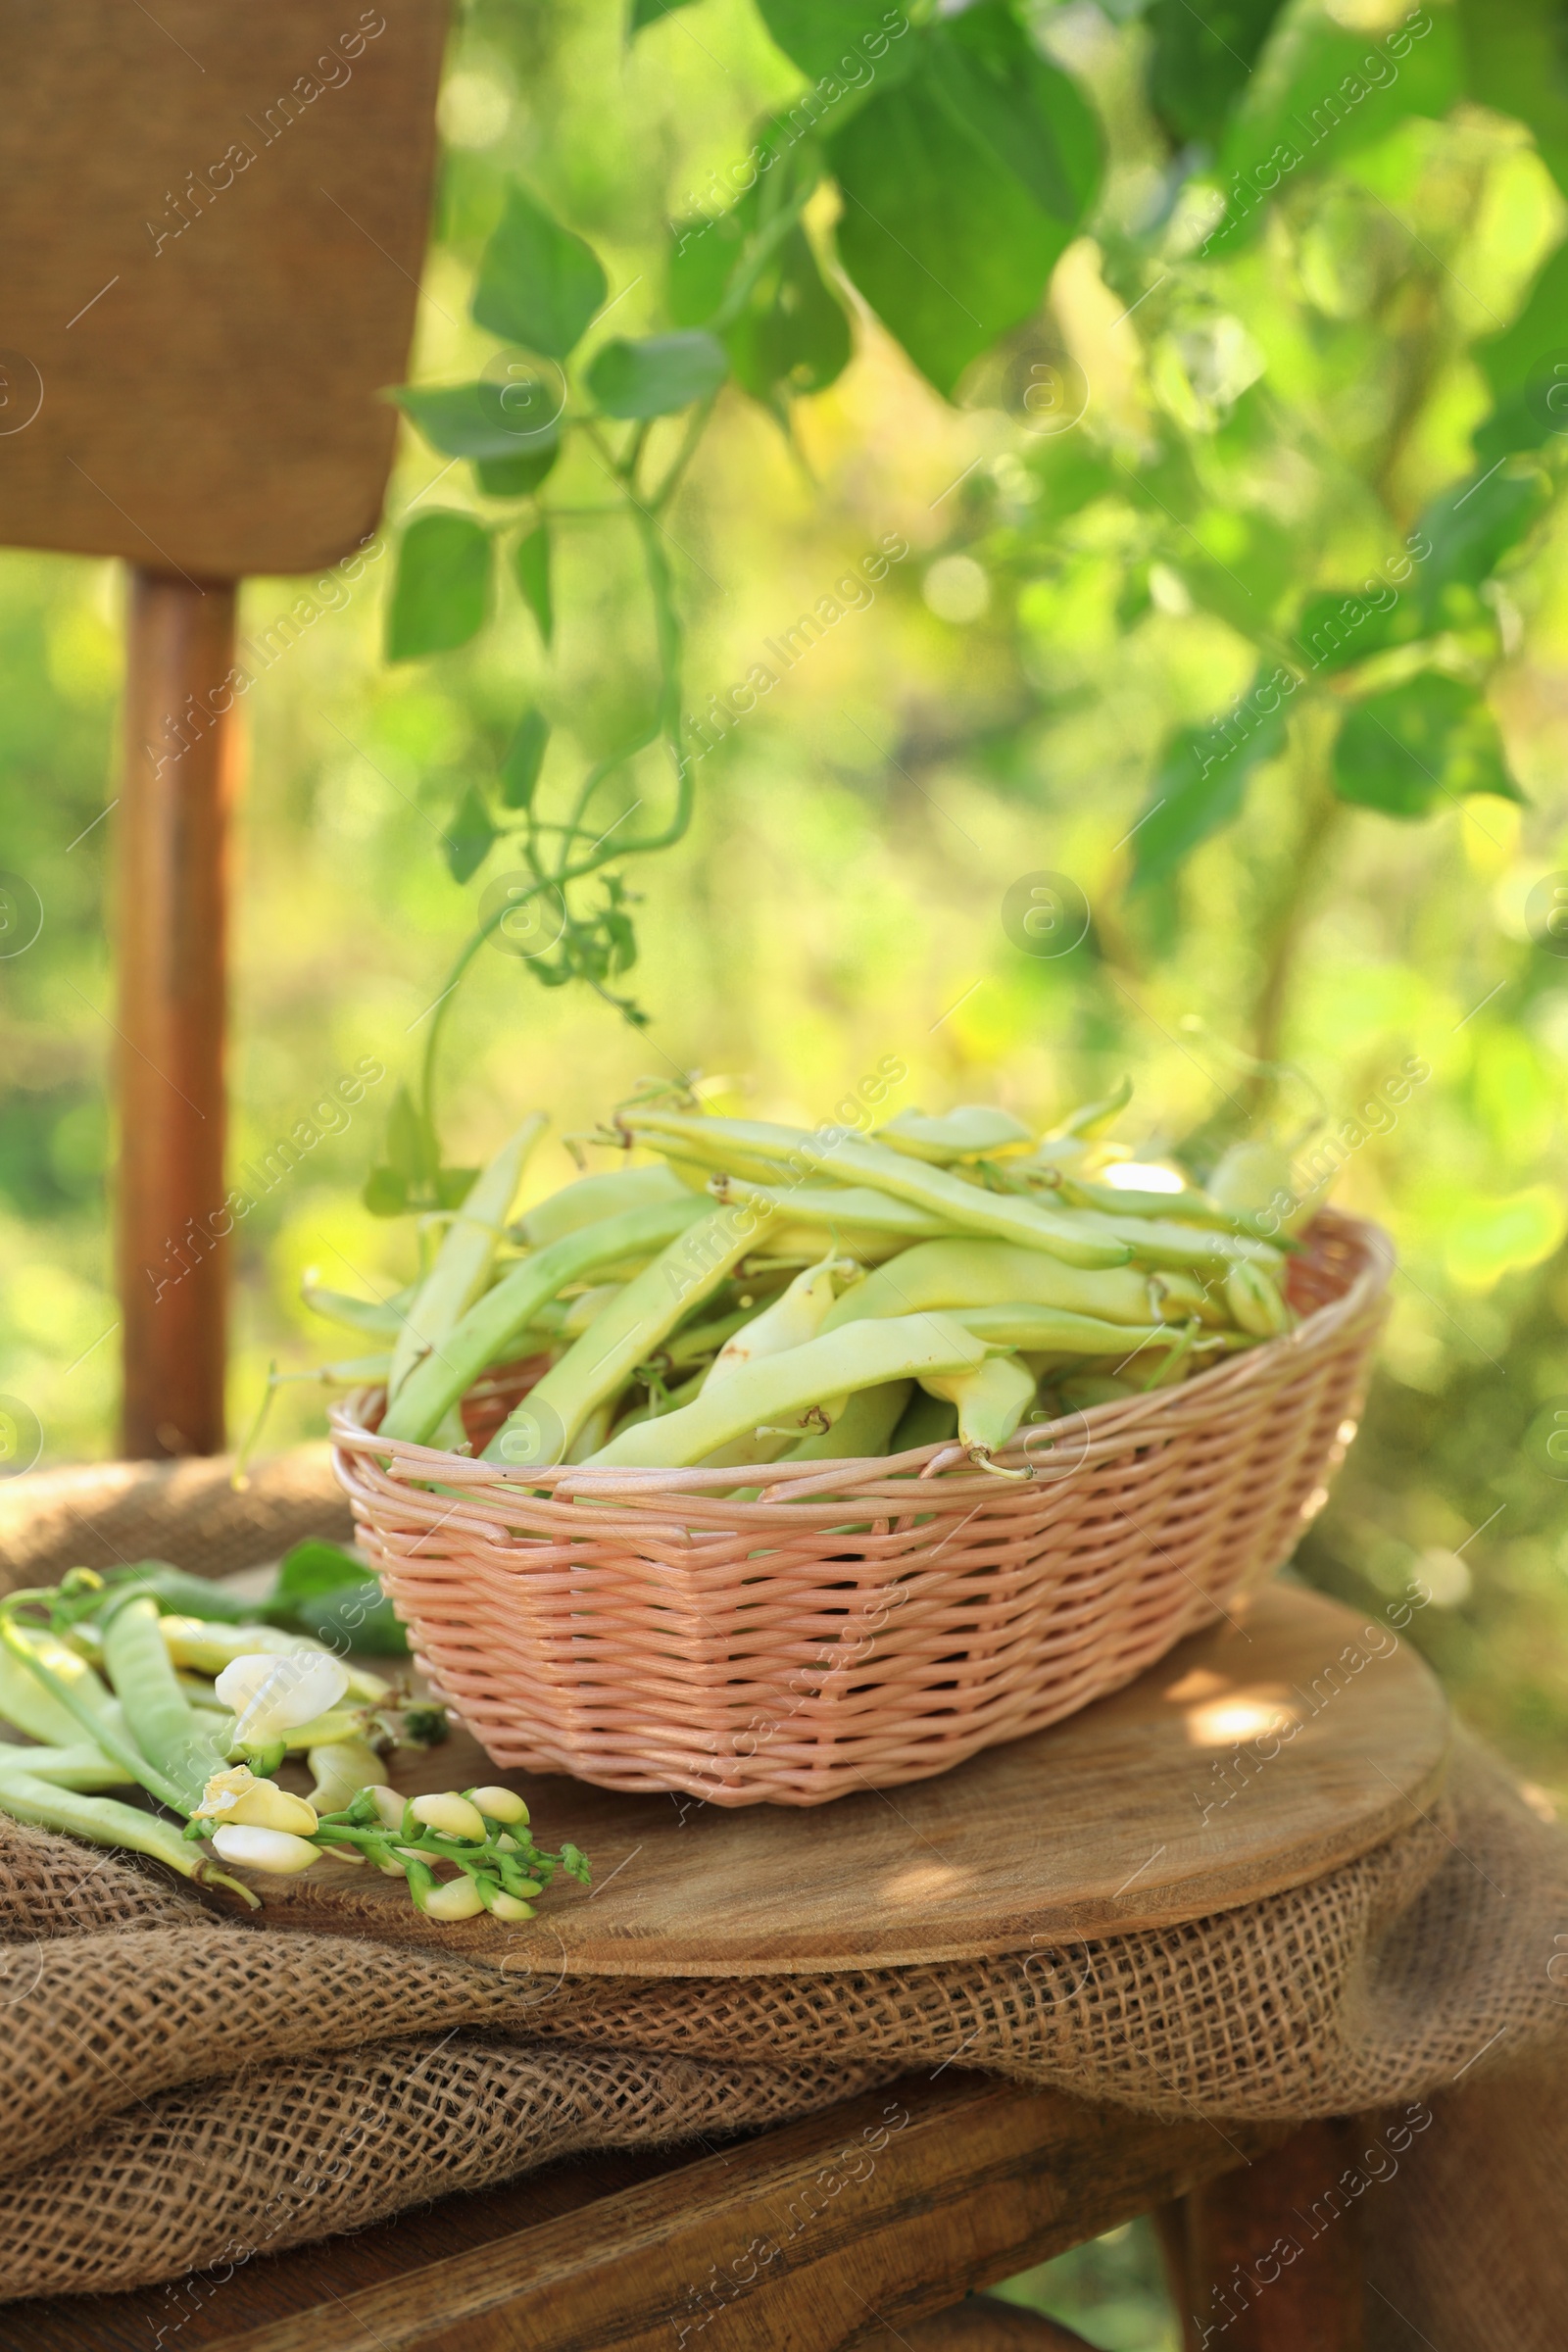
186	2090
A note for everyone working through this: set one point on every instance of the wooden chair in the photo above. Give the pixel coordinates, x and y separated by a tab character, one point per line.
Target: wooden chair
206	341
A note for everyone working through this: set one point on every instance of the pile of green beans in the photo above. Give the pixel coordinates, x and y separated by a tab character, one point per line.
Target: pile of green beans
196	1713
740	1291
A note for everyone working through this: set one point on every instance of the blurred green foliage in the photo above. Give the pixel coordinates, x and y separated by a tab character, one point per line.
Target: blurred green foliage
1163	486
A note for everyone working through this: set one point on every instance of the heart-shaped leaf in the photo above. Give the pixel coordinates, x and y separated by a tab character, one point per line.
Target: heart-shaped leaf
519	774
442	590
531	563
658	375
539	285
471	420
1420	746
469	837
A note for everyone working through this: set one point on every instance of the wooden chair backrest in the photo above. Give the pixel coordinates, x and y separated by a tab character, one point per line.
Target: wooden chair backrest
214	221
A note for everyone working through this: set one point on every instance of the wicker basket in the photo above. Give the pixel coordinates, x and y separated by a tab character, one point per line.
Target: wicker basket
864	1622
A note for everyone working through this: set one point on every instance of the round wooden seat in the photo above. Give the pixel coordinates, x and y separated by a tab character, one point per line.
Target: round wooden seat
1258	1755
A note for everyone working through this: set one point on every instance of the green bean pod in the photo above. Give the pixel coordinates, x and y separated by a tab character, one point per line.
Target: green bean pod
1190	1207
467	1250
794	1317
377	1318
81	1765
1257	1175
971	1273
158	1714
992	1401
495	1321
974	1131
1256	1302
28	1704
967	1208
609	1194
1162	1242
864	1426
1058	1332
596	1367
853	1211
761	1150
103	1821
1092	1118
694	1342
777	1388
82	1696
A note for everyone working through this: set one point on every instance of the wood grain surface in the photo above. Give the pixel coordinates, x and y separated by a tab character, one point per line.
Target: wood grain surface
828	2236
215	218
1258	1755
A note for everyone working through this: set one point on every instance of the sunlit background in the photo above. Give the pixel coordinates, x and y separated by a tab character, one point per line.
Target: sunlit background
996	710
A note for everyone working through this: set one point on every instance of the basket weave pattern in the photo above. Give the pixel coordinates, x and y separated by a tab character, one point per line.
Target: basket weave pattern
863	1623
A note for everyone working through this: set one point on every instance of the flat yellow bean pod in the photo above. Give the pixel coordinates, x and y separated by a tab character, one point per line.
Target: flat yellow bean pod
974	1131
466	1253
592	1197
833	1153
597	1366
496	1321
992	1401
1162	1242
1055	1331
778	1387
966	1273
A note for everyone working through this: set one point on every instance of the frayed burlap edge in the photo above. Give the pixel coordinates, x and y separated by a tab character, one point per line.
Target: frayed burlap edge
278	2155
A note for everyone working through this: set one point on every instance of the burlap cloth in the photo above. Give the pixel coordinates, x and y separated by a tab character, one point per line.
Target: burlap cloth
183	2091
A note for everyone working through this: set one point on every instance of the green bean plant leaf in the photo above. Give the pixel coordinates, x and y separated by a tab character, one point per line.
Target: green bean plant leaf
1026	112
1516	62
1198	65
1430	741
649	12
1526	365
410	1147
1322	91
467	420
1338	627
658	375
470	837
539	285
519	772
827	39
946	240
441	593
517	477
1472	527
1201	780
530	561
385	1192
793	337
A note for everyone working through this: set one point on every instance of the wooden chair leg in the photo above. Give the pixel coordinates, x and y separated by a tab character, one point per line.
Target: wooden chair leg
173	890
1268	2258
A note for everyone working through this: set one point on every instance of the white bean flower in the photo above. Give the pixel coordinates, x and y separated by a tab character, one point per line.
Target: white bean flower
275	1850
271	1696
238	1796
